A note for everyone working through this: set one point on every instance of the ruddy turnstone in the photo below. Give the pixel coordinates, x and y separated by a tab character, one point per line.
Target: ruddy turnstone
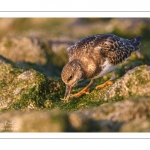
93	57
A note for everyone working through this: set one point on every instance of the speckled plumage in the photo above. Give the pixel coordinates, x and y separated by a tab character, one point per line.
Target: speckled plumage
97	55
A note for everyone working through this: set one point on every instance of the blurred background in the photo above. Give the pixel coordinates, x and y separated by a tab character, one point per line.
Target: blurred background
41	43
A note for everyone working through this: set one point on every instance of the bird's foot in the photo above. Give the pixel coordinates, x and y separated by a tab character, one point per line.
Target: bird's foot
82	92
65	99
104	84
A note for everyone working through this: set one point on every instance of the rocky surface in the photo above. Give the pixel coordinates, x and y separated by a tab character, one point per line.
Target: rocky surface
118	116
32	54
130	115
30	102
24	88
128	85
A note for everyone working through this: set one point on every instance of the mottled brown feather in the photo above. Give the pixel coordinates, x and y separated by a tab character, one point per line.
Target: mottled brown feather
114	48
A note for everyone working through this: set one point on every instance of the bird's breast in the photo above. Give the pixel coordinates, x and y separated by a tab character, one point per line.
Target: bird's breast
89	66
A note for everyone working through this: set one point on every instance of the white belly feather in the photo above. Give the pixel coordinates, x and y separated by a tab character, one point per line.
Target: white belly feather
106	68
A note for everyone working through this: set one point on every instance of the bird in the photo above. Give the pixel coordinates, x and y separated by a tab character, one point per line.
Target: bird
93	57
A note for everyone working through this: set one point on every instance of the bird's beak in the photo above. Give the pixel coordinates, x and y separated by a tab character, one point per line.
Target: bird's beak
67	92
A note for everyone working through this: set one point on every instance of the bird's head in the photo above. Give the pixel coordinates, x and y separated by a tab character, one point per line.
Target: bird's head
71	74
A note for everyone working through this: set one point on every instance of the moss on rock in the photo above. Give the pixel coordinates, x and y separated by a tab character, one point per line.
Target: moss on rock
30	99
117	107
24	89
128	115
135	82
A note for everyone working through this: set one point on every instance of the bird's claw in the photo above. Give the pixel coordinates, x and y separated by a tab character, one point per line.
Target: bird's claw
65	99
87	92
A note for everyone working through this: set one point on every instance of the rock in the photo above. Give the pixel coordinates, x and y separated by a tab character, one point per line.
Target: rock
114	116
25	89
124	116
30	95
32	52
23	49
138	125
135	82
35	121
37	96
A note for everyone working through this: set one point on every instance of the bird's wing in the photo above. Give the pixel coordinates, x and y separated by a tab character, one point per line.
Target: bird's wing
115	49
70	52
107	45
81	47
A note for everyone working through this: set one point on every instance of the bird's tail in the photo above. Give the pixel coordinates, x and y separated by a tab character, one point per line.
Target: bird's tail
136	42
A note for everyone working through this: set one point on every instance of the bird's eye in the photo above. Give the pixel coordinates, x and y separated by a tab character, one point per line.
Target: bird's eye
70	77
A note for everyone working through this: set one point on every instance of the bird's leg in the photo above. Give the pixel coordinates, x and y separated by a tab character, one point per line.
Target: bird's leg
109	82
104	84
83	91
113	77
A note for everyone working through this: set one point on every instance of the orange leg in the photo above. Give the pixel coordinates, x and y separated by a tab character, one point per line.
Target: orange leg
83	91
104	84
